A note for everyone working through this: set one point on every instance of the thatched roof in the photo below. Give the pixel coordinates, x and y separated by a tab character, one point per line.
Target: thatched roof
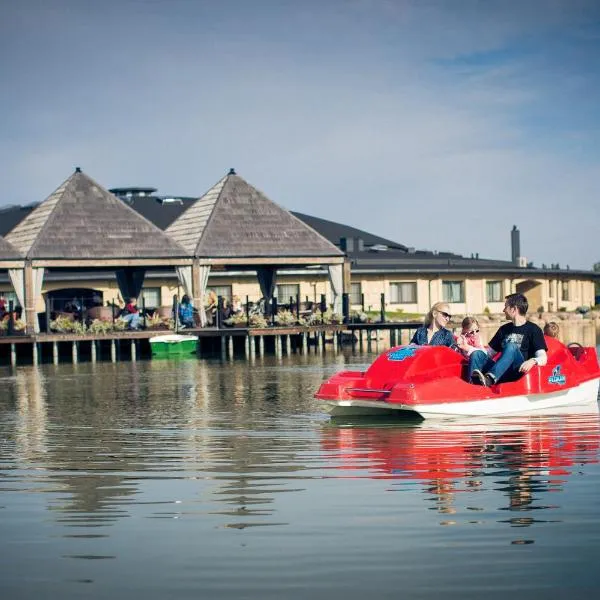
82	220
235	220
8	252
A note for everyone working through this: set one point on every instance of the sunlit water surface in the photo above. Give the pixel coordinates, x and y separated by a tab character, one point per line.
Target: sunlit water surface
202	479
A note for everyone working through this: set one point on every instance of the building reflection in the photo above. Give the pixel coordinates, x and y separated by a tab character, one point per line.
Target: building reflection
522	459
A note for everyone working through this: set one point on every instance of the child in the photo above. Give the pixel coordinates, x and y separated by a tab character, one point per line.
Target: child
468	341
552	329
132	314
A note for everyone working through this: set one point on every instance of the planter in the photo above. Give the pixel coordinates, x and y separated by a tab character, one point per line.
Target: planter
104	313
165	312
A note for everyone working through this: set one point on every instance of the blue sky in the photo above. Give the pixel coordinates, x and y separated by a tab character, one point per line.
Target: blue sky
437	124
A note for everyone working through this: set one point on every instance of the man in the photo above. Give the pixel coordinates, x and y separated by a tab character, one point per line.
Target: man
520	342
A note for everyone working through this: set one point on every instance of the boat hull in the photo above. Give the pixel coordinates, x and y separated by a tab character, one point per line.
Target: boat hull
432	381
586	394
173	345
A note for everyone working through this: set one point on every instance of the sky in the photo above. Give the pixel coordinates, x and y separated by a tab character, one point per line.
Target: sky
436	124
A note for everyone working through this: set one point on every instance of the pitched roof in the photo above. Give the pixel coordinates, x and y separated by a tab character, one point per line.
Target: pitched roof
235	220
334	232
8	252
82	220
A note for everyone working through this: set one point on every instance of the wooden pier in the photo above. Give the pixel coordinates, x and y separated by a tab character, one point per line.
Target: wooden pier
227	342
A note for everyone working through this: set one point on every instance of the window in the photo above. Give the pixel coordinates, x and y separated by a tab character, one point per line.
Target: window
550	288
151	297
493	291
10	297
564	290
285	291
403	292
453	291
355	293
221	290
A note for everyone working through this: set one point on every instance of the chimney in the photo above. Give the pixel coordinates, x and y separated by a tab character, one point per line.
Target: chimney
347	244
515	245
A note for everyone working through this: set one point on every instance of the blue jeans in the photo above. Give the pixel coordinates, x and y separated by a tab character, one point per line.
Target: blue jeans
506	368
133	320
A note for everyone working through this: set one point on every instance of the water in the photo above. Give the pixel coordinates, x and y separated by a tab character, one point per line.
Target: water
196	479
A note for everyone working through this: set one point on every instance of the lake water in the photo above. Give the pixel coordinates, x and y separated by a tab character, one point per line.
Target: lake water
201	479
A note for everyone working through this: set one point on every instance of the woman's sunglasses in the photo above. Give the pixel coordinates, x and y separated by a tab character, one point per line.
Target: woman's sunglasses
445	314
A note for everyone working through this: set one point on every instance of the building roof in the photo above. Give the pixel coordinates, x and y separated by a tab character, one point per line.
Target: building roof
375	254
8	252
82	220
334	232
235	220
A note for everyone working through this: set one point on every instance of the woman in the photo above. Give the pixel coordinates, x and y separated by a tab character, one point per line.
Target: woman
434	332
186	312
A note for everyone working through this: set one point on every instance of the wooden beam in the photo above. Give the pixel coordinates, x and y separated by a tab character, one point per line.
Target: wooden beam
29	308
113	262
275	260
11	264
347	276
197	299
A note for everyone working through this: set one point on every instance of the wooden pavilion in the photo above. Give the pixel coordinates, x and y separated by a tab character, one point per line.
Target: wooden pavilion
81	226
234	226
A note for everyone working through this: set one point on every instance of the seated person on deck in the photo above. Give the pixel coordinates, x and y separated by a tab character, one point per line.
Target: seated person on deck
520	342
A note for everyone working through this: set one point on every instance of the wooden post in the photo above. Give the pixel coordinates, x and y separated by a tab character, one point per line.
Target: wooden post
13	355
252	347
133	350
29	308
48	314
74	353
288	344
34	353
247	346
113	351
261	346
335	341
93	350
197	299
305	342
230	346
223	348
55	352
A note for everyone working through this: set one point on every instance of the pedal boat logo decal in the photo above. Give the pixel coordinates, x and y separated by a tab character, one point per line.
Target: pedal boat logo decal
557	378
402	353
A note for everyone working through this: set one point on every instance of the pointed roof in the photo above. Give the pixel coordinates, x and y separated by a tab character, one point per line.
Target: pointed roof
235	220
82	220
8	252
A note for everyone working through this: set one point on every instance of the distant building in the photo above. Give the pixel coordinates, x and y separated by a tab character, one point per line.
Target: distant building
411	279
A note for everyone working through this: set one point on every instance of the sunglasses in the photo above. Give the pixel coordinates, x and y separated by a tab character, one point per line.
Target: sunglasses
473	332
445	314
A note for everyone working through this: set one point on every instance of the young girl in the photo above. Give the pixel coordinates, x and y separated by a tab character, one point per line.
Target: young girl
468	341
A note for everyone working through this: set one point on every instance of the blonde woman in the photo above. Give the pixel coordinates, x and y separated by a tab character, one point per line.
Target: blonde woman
434	332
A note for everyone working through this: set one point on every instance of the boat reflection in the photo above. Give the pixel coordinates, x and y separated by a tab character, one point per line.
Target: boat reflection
522	458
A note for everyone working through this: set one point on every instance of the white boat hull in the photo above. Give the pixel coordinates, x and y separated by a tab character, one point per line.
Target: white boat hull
585	394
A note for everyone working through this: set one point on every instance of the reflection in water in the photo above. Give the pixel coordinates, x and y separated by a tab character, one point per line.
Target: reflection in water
521	459
200	467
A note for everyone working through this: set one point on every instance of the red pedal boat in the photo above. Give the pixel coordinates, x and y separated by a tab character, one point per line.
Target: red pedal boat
430	381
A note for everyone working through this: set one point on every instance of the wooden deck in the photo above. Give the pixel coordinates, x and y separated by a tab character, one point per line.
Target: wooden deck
228	342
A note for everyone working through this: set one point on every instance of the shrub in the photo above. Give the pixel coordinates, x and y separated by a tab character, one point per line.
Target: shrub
258	321
285	317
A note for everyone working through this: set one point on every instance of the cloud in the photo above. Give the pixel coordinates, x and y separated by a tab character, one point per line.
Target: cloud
437	126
